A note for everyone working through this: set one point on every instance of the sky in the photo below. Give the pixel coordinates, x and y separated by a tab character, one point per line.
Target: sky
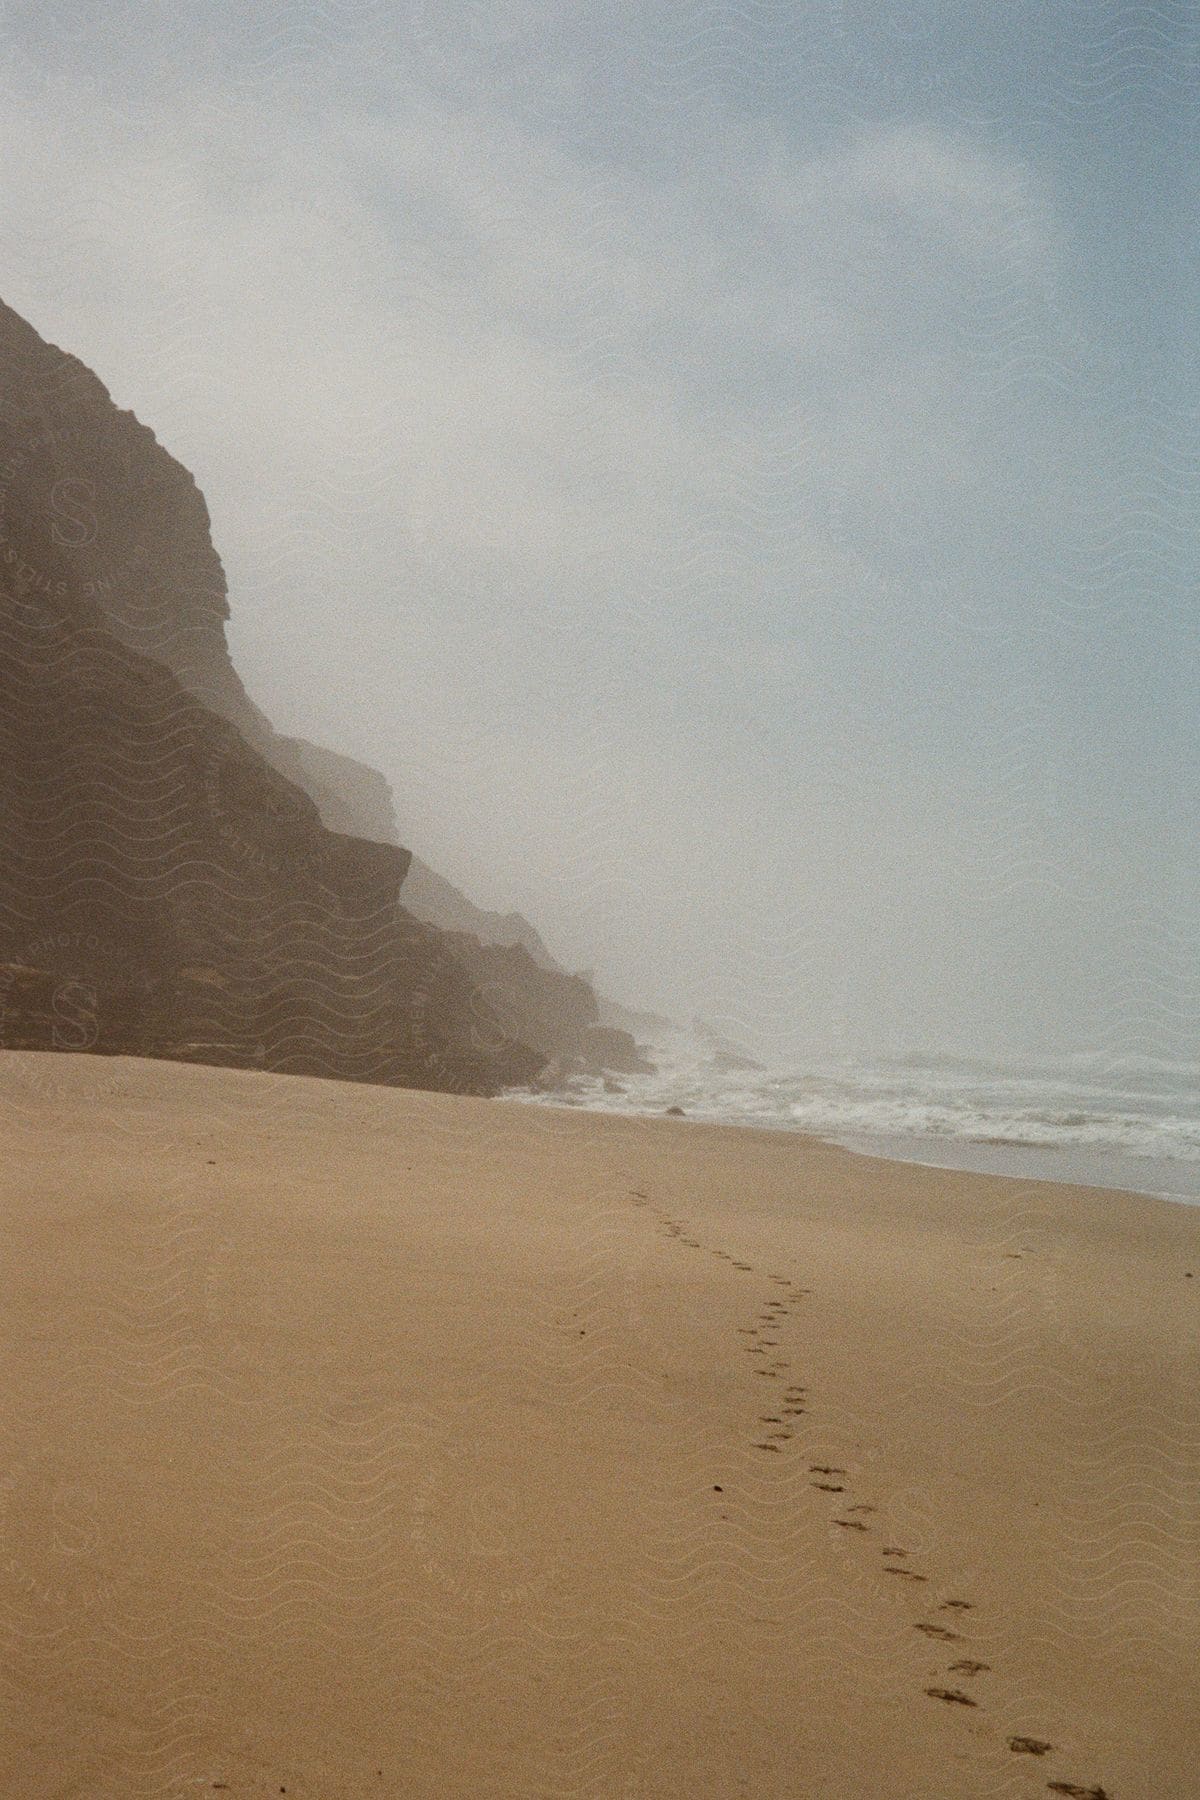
732	467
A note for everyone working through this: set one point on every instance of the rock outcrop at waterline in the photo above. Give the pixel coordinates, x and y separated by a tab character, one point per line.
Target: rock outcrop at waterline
164	889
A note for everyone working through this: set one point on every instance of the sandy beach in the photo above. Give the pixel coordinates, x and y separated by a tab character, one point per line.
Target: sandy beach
366	1442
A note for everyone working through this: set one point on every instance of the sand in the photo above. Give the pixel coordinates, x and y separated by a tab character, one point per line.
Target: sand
360	1442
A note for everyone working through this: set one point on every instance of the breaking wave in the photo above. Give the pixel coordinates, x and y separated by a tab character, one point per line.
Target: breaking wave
1134	1119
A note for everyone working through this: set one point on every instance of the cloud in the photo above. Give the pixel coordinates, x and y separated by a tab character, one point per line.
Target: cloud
986	204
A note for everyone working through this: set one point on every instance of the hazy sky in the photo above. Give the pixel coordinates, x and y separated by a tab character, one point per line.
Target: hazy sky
733	467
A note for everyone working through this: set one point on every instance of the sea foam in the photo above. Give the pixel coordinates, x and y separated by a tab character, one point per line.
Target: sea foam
1122	1121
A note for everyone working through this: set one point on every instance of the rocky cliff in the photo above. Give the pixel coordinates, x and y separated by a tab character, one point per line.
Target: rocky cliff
440	903
556	1012
92	508
164	888
351	796
111	580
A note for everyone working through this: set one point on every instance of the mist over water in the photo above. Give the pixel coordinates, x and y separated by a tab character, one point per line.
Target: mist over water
1122	1122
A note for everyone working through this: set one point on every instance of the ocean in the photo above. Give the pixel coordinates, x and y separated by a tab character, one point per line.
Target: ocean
1130	1122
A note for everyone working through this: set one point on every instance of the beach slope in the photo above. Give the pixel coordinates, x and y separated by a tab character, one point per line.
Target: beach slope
370	1442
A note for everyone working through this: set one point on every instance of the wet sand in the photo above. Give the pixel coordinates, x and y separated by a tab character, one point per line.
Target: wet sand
360	1442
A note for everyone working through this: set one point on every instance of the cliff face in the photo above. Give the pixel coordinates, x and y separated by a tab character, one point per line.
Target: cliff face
130	533
432	898
354	797
543	1007
93	508
216	867
163	888
349	796
559	1014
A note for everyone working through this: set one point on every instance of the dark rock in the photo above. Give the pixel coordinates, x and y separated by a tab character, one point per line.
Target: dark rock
555	1011
541	1007
605	1048
432	898
164	889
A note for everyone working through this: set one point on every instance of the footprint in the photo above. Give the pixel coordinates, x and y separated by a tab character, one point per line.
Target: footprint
954	1694
824	1469
1076	1792
769	1419
863	1506
852	1524
1027	1746
828	1487
957	1606
774	1447
938	1631
908	1574
893	1551
967	1665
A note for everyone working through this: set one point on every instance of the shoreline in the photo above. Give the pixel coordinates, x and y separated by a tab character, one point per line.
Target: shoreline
374	1441
1060	1167
1057	1165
